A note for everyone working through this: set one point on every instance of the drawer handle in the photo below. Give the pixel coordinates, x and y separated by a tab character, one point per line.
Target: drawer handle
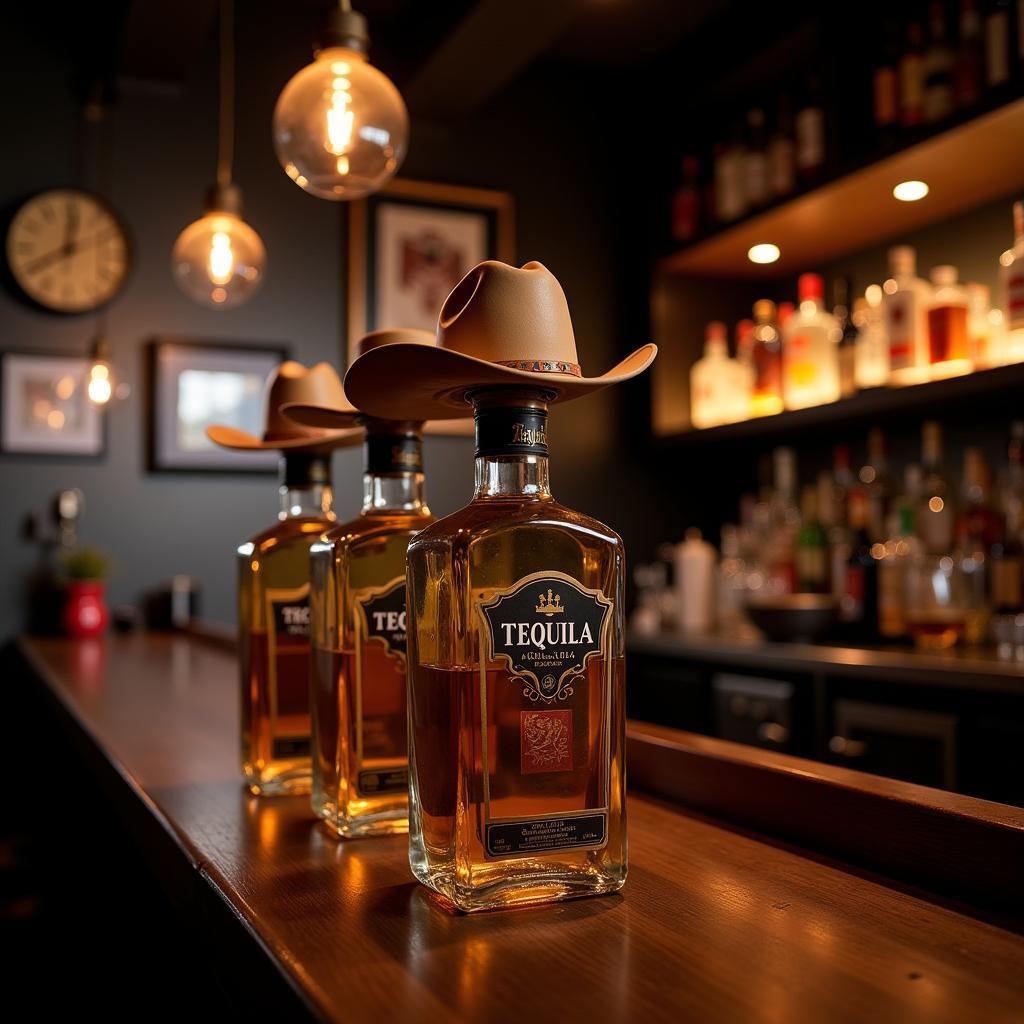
846	747
772	732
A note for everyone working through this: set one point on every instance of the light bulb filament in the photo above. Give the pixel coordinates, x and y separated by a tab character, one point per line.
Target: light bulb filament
222	259
340	118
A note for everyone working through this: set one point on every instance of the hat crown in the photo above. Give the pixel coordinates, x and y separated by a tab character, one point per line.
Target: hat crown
293	382
508	315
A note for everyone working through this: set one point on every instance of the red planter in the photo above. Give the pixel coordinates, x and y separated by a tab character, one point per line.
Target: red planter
85	611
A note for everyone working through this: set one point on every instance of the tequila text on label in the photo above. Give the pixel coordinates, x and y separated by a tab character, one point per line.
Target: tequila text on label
541	634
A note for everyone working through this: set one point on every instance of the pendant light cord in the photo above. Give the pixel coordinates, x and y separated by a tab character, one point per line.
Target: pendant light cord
227	93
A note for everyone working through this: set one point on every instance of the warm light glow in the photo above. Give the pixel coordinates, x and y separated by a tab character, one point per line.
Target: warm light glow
340	119
889	286
99	370
40	408
65	388
763	252
873	293
910	191
55	419
936	504
1006	258
100	390
222	259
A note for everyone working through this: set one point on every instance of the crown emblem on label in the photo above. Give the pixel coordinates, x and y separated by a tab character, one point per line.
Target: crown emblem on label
550	604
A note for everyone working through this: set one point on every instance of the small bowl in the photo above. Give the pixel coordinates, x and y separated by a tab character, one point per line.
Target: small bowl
805	617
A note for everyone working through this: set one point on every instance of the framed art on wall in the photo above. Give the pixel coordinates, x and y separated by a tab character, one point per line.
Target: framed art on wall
45	408
193	384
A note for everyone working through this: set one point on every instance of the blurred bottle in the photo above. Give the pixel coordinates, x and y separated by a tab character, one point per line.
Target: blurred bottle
997	43
784	520
686	203
936	516
948	343
886	86
905	303
730	199
1012	263
1008	555
847	354
938	67
766	358
900	548
810	354
840	538
755	167
969	67
979	529
717	383
877	485
871	352
782	153
811	549
695	583
810	133
859	604
911	70
984	332
731	582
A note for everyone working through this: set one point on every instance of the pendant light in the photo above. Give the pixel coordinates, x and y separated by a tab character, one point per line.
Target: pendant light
340	126
219	260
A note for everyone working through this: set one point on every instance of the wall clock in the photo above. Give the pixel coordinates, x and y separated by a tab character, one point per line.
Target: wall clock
68	250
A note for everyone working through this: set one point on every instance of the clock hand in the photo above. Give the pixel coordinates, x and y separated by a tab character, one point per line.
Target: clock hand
67	249
71	223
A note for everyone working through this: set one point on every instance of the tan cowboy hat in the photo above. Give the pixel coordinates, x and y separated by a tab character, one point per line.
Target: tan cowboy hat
341	412
291	382
499	326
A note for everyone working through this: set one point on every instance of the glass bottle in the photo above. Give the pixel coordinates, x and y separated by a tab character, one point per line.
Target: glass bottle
900	549
781	153
877	484
811	547
516	682
1008	554
1012	267
810	356
686	203
938	67
997	44
273	617
755	163
905	302
357	608
766	357
936	517
841	289
719	385
979	529
871	352
968	71
983	334
810	133
948	339
860	598
912	77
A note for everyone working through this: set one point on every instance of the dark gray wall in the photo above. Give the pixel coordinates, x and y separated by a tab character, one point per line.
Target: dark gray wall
541	141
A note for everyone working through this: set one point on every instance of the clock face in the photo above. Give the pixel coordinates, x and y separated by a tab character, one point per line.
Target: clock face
68	250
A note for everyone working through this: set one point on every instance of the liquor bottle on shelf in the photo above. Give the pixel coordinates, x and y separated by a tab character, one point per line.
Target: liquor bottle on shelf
273	583
730	198
766	392
877	484
859	603
979	529
811	555
782	153
871	353
1008	555
695	562
755	164
900	549
911	69
969	67
841	290
810	133
843	484
905	302
810	357
997	44
984	331
948	341
1012	273
938	67
686	203
358	616
936	516
886	88
515	642
782	314
782	524
719	385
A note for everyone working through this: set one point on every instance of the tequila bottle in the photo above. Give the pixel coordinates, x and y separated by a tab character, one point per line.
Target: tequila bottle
273	619
516	682
360	760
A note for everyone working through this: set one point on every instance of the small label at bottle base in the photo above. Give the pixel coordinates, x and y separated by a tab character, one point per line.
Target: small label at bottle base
546	834
384	780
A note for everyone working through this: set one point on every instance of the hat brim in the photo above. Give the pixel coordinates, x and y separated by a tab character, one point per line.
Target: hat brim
403	381
243	441
322	417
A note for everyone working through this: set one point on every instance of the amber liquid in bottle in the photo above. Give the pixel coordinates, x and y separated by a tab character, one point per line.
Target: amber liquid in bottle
360	747
516	683
273	619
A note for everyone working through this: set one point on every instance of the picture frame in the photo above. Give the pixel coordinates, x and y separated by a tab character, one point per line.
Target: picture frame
192	384
409	245
44	407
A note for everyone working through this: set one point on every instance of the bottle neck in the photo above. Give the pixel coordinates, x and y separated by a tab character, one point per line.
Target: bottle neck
393	478
511	444
305	491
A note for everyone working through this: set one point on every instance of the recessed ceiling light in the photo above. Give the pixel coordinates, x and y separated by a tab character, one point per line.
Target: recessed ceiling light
910	191
763	252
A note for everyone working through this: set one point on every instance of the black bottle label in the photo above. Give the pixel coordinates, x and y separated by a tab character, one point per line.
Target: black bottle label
511	430
389	454
291	616
382	613
546	628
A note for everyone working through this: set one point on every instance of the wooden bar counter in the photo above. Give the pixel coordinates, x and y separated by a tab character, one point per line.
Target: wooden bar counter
716	923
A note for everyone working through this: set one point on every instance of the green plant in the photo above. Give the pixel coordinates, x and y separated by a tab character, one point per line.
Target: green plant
86	564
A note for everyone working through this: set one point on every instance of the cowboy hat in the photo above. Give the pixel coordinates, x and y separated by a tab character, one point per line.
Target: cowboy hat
499	326
341	412
291	382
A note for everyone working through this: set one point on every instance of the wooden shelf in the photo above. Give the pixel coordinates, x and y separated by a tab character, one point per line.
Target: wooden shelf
967	165
1002	382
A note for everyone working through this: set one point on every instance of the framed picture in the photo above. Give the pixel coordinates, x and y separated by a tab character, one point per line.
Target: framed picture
44	409
193	384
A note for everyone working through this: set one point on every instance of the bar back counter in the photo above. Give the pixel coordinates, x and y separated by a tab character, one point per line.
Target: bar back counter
761	886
